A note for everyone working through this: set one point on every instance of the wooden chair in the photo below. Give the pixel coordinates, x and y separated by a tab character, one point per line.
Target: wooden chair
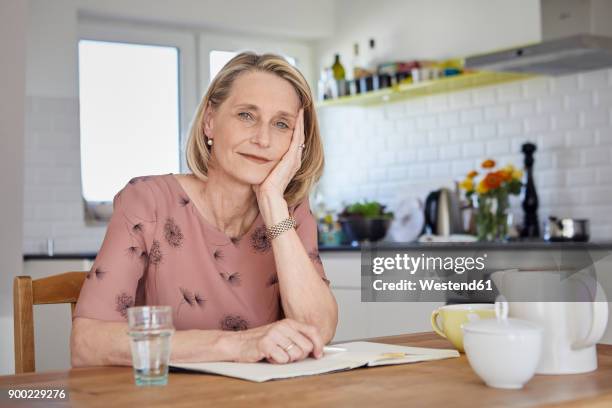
61	288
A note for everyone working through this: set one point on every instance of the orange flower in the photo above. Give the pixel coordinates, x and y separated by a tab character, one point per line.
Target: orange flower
493	180
488	164
472	174
481	188
505	174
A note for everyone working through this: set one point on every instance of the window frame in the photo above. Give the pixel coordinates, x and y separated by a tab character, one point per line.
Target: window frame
99	212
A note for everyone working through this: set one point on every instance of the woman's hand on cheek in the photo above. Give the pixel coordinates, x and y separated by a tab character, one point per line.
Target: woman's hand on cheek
277	181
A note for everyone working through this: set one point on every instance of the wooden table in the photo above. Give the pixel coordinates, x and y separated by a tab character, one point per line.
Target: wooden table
444	383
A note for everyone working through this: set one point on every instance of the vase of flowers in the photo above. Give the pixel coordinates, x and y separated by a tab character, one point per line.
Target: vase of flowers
490	196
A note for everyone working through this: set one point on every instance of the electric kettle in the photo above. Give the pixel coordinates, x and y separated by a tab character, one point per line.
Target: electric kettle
571	328
443	213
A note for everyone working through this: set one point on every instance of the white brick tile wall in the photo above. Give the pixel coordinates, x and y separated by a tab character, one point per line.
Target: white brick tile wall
510	127
583	137
485	131
595	116
437	139
52	195
460	134
579	101
549	104
603	97
509	92
564	120
522	108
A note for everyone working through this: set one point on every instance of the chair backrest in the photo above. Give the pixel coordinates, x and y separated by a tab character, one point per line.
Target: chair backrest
61	288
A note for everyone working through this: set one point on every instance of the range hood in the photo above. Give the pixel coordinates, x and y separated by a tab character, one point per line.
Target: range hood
584	52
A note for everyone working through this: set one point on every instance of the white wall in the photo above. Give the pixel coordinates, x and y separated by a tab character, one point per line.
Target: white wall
429	29
408	148
13	19
286	18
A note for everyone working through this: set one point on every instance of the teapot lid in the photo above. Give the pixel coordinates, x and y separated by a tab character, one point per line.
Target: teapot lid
501	324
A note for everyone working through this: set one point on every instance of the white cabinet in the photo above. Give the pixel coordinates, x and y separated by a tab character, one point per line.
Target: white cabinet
357	319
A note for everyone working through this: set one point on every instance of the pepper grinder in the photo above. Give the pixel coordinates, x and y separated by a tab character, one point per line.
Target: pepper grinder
531	225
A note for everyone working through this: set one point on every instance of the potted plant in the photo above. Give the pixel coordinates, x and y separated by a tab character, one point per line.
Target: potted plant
365	221
491	197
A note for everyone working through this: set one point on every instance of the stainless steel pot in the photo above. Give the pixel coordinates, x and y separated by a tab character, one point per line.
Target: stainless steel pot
566	229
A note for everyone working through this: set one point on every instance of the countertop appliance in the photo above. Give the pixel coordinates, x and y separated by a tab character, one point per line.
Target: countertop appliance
443	213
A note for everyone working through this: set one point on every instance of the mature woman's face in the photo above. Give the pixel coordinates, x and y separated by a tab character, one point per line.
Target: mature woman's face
252	128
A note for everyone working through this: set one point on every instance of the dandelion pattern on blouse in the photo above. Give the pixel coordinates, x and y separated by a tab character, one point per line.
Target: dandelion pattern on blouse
259	240
135	180
155	254
199	299
132	251
190	299
144	258
218	254
137	228
315	257
186	298
234	323
272	280
172	233
233	279
123	302
155	257
96	272
184	201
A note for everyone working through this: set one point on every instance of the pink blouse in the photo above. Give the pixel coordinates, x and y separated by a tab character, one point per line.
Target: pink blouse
159	250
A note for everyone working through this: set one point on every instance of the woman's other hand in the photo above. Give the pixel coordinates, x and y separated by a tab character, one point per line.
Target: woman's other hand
280	342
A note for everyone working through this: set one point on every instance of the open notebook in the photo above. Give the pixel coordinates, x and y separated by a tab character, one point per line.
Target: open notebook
356	354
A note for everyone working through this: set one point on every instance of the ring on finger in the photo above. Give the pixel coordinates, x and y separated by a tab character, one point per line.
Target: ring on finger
289	347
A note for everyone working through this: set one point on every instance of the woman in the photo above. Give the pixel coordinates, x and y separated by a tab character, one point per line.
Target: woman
231	247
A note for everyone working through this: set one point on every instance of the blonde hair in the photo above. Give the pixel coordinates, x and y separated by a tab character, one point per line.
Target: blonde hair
198	152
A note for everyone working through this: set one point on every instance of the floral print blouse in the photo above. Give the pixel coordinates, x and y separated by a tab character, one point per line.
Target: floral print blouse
159	250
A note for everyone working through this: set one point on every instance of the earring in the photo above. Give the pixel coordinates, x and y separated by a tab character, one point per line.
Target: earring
210	142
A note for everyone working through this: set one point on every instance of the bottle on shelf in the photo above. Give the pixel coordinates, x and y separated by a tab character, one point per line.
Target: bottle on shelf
358	70
338	69
372	60
339	76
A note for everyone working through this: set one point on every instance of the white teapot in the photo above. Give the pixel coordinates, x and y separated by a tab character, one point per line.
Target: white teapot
571	328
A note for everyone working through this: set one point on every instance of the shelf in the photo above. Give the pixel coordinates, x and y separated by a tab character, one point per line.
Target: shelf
410	91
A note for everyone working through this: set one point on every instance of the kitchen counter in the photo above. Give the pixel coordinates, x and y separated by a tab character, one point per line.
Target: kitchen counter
511	245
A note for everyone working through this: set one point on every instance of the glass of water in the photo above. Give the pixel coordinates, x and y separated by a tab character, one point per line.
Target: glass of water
150	329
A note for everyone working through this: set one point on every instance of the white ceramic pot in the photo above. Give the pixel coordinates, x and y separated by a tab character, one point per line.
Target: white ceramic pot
503	352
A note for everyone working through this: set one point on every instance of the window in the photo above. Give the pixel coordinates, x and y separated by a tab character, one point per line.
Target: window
219	58
129	114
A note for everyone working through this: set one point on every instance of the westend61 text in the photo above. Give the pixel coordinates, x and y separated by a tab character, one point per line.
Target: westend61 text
432	284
